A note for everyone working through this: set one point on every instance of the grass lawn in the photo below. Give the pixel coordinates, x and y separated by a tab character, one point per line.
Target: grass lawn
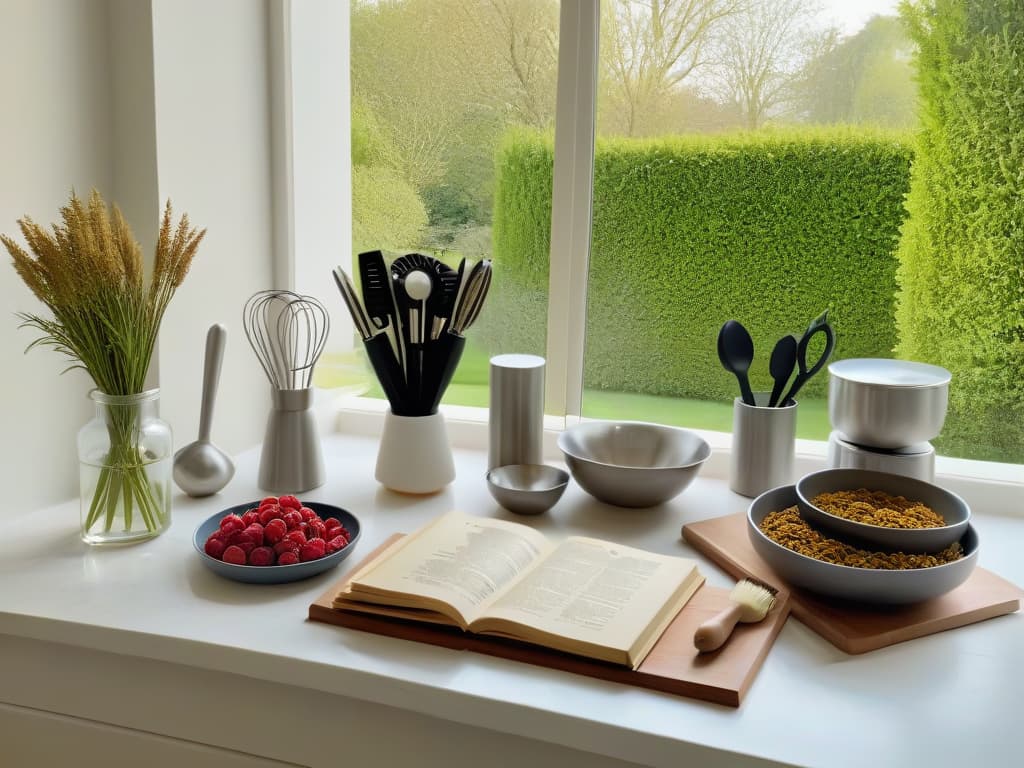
469	387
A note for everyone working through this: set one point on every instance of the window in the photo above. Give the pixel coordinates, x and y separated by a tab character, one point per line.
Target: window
751	162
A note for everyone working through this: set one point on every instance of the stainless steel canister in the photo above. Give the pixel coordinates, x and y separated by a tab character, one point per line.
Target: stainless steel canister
763	446
517	410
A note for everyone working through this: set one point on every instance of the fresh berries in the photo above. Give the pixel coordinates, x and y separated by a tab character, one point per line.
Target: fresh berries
215	547
262	556
274	531
231	523
279	531
313	549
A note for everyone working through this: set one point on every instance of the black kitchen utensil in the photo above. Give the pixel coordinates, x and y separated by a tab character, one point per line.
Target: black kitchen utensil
389	374
413	283
782	365
818	325
441	359
378	299
442	302
736	352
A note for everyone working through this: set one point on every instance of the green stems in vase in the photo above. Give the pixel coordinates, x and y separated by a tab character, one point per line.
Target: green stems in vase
106	314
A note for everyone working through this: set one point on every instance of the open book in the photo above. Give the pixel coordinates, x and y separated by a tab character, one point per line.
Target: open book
583	596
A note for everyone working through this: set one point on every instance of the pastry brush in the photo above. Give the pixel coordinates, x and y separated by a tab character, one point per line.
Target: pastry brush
751	601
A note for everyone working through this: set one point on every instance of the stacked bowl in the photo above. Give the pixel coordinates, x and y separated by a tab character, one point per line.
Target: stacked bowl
884	413
844	558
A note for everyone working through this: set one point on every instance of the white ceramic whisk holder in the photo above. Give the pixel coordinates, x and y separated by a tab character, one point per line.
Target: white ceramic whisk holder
414	455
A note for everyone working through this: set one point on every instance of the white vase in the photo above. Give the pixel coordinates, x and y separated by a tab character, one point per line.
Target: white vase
414	454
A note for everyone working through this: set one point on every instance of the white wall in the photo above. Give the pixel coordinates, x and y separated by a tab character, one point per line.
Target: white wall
145	100
55	134
213	161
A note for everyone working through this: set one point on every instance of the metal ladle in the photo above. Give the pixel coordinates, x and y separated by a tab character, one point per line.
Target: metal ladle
201	468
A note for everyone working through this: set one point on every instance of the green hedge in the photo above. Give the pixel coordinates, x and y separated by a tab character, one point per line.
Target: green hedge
961	299
769	229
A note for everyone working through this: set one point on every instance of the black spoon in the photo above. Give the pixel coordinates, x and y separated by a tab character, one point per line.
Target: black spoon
781	365
736	351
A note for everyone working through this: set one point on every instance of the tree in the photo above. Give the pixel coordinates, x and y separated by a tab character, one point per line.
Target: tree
759	54
649	48
867	77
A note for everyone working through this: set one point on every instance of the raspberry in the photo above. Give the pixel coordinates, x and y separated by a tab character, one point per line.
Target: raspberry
317	530
286	545
292	519
231	523
235	555
251	516
307	513
338	542
268	500
256	531
287	558
331	523
244	540
313	549
289	501
261	556
297	536
348	534
269	513
274	531
215	547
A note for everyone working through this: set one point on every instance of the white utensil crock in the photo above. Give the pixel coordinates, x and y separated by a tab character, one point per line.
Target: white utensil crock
414	454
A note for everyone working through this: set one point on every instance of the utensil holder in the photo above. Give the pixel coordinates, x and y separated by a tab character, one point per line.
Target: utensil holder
414	454
763	445
291	460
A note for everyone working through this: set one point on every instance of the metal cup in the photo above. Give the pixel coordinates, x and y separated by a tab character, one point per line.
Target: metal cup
763	446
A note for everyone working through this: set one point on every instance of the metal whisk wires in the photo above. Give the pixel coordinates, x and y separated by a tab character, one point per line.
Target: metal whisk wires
287	331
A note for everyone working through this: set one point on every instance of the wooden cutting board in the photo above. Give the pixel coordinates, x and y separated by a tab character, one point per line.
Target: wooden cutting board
672	666
852	627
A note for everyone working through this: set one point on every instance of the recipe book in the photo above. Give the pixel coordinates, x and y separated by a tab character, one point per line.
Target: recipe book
492	577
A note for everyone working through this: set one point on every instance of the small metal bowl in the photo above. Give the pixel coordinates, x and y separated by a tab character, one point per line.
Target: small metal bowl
527	489
953	509
864	585
631	463
884	403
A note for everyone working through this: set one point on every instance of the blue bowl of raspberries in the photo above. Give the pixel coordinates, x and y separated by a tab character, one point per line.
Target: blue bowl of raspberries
276	540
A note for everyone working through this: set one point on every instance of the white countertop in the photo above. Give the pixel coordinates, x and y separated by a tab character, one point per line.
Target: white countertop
949	699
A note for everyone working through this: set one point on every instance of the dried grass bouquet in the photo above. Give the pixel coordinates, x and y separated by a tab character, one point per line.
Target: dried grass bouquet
106	314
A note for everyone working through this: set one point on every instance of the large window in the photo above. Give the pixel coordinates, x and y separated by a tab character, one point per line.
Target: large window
753	160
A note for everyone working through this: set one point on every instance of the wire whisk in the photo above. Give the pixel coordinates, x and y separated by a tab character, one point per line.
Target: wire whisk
288	332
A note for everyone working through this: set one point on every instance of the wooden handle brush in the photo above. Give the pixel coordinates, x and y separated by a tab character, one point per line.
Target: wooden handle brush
751	602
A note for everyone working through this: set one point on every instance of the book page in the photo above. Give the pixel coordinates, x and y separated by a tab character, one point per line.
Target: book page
596	593
458	560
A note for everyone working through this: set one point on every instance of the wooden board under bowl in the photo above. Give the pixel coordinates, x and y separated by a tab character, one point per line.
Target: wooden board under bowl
852	627
673	665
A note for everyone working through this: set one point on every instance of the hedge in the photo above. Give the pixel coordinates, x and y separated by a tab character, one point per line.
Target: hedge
961	297
769	228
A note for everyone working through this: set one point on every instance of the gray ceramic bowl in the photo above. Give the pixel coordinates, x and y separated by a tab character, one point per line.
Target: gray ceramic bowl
864	585
630	463
527	489
275	574
952	508
883	403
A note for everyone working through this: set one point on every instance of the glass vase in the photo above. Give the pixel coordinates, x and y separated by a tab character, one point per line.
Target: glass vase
125	460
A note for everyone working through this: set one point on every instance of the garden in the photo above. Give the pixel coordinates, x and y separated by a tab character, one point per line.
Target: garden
909	231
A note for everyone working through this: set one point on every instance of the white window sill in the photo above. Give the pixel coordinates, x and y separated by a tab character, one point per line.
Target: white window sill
990	487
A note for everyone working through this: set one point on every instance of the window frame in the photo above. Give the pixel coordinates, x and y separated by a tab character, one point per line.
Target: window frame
308	194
